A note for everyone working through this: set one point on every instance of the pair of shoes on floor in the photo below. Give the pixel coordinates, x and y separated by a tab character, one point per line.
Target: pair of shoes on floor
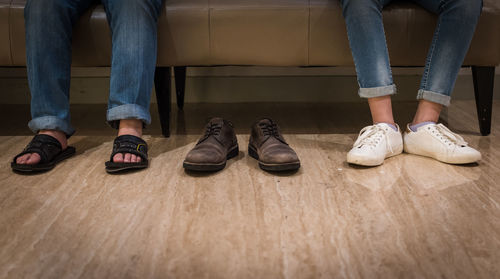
380	141
219	143
51	153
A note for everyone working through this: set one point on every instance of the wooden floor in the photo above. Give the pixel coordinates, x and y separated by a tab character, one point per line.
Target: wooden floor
409	218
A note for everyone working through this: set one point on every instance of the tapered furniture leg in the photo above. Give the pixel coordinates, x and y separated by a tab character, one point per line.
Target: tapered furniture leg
180	85
163	97
484	79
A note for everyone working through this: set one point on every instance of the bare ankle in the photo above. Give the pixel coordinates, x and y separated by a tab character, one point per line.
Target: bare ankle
130	127
381	110
427	112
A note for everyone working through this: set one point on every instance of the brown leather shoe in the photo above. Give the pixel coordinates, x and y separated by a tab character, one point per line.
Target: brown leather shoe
214	148
269	147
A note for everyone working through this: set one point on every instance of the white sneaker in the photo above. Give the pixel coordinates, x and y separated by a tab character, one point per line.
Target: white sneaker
438	142
374	144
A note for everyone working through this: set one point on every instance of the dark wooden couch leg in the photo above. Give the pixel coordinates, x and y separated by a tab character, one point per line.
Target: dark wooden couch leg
180	85
484	78
163	97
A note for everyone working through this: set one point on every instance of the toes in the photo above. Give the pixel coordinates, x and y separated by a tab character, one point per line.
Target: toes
135	158
21	159
126	158
28	159
33	159
118	158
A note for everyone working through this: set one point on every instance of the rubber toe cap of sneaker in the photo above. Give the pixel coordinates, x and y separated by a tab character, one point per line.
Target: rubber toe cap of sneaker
466	155
362	157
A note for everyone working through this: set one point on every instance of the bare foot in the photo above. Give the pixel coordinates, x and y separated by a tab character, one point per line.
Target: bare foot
34	158
129	127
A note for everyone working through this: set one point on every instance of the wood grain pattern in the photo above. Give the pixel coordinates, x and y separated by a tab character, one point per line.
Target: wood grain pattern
412	217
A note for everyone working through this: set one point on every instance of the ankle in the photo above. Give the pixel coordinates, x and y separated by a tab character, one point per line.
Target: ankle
393	125
422	122
381	109
130	127
58	135
427	112
414	127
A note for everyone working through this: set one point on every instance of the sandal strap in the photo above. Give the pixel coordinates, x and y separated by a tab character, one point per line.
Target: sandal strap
46	146
130	144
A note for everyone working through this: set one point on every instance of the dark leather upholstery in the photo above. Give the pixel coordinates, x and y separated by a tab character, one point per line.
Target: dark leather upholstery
258	32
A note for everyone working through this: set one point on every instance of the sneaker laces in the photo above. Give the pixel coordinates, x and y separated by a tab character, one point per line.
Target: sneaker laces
371	136
447	136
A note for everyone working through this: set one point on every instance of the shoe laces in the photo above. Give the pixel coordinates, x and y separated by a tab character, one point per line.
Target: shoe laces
213	129
269	129
446	136
371	136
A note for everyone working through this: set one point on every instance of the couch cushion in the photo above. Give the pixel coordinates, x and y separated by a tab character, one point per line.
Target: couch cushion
5	58
91	39
262	32
409	30
485	47
183	39
17	41
259	32
184	33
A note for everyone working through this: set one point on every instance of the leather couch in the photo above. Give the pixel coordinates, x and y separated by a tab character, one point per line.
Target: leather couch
264	33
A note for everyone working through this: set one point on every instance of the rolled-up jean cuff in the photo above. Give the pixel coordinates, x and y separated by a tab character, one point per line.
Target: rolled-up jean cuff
129	111
434	97
51	123
372	92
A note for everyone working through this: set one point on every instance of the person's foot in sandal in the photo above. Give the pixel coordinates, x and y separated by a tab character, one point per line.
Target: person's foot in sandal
45	150
129	150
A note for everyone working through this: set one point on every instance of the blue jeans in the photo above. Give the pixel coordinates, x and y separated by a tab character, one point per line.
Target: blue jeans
49	27
453	34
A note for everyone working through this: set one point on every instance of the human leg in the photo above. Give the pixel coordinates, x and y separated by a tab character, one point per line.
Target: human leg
455	27
365	30
49	26
454	31
452	36
134	35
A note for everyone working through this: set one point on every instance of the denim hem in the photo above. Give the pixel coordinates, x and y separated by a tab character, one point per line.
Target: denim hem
128	111
51	123
372	92
434	97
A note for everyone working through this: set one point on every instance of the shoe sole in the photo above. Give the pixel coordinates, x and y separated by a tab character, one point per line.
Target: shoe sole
272	167
114	168
39	168
437	158
361	162
364	163
211	167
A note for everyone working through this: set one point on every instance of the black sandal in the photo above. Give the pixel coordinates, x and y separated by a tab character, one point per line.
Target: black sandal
128	144
50	151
